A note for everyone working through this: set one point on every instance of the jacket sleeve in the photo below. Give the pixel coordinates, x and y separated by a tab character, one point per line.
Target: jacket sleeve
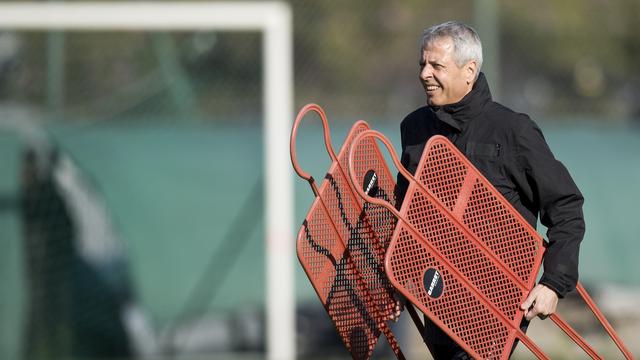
560	203
402	184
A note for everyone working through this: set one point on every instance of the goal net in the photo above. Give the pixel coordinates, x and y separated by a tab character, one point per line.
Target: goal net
156	135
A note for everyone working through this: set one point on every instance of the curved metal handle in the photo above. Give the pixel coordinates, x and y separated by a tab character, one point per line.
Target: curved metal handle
327	141
352	173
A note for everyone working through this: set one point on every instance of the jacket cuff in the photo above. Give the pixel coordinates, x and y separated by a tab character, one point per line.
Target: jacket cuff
554	285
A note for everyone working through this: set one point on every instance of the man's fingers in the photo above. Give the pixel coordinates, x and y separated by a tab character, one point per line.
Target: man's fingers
533	312
530	299
541	309
529	315
541	302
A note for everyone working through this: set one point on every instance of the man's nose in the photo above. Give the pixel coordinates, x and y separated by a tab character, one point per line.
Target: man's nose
426	72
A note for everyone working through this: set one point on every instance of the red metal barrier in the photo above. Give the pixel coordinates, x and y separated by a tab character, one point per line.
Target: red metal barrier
463	255
342	243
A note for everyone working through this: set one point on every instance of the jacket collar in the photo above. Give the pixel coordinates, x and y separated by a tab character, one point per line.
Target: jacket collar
458	114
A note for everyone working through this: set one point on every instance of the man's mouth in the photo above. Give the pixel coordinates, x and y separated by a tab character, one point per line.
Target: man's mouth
431	88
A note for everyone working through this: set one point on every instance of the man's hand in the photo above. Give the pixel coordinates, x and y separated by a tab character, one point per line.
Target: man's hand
541	302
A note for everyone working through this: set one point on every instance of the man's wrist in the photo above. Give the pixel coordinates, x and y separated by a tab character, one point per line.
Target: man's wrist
553	286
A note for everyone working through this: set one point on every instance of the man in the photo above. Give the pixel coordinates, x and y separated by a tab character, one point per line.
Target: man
509	150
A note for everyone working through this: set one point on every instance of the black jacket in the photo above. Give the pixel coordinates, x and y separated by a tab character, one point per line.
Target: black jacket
510	151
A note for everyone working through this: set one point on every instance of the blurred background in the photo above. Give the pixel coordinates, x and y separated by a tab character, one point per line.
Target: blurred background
131	181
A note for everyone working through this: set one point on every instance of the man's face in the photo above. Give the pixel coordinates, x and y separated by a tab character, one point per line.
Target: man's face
443	81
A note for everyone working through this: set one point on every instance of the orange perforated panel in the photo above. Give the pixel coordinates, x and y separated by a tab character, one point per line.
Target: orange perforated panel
342	245
484	255
484	210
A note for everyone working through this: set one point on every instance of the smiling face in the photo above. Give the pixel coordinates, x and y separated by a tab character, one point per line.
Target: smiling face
443	80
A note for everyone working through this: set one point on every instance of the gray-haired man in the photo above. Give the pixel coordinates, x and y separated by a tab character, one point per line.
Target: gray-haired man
510	151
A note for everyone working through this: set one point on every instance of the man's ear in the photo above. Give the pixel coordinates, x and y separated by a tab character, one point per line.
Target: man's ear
471	69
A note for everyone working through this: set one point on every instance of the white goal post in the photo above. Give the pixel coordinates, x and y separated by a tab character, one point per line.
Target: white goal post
274	21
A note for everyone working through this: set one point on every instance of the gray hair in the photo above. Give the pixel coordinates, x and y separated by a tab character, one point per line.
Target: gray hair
466	42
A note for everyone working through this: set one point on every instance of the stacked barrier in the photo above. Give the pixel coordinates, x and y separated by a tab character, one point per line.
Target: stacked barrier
456	249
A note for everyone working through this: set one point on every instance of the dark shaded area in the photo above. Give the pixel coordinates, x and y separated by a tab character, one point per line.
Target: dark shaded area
71	311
